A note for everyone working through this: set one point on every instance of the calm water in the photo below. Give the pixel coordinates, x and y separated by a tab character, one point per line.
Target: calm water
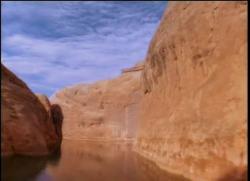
85	161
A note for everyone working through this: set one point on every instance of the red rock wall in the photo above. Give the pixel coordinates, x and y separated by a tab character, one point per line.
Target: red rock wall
100	111
193	118
26	127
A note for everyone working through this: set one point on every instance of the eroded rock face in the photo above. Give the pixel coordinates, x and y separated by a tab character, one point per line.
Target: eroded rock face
57	118
193	115
105	110
26	124
54	123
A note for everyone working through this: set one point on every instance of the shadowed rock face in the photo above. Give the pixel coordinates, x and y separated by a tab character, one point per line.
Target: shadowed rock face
193	112
54	125
57	118
27	127
105	110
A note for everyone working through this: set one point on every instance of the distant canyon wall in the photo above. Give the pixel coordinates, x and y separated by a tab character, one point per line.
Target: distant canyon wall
105	110
29	124
193	117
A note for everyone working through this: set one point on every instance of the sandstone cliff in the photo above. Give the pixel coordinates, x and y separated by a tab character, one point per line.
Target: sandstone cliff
105	110
193	118
190	115
26	125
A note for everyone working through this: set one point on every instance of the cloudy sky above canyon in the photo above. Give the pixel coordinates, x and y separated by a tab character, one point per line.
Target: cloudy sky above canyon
51	45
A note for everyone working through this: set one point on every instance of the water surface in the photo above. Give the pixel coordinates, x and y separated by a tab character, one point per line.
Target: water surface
86	161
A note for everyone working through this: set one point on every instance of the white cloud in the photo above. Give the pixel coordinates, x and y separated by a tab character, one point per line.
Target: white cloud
52	45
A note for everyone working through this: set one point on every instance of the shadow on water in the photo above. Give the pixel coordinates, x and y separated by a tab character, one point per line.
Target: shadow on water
26	168
54	159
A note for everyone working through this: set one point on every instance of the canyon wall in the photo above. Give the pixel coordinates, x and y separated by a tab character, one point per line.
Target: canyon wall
105	110
27	123
185	106
193	118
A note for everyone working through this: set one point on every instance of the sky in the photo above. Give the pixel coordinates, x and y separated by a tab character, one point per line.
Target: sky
52	45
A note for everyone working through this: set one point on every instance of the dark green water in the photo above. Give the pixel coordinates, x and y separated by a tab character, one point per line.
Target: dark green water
85	161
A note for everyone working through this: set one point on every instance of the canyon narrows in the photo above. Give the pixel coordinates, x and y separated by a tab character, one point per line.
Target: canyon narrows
187	110
184	107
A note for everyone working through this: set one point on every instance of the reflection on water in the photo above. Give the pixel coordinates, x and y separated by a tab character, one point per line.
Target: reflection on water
22	168
86	161
26	168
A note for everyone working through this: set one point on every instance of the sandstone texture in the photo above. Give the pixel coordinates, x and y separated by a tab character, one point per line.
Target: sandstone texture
185	106
105	110
193	116
27	126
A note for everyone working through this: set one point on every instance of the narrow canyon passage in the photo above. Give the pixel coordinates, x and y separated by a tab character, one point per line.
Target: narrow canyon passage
179	113
87	161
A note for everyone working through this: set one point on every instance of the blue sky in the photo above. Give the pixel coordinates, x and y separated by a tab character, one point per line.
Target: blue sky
51	45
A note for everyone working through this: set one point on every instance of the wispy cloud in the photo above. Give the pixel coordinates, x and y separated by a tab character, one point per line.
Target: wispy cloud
51	45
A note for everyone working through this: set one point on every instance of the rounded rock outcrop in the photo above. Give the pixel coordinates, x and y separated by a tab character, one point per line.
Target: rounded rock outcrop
26	124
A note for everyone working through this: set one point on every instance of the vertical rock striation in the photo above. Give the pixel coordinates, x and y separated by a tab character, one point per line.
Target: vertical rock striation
105	110
193	118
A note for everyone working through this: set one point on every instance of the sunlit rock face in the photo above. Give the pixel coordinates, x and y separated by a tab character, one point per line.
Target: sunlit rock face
193	112
26	124
105	110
